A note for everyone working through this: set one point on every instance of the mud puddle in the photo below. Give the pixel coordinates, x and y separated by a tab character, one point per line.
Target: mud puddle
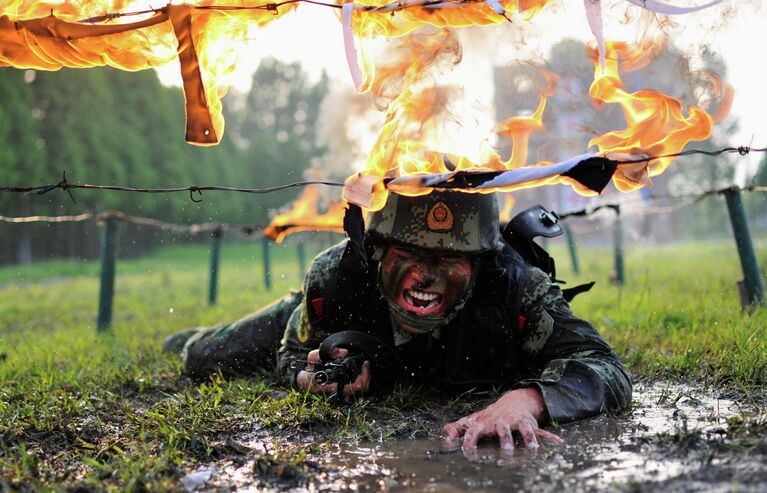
676	438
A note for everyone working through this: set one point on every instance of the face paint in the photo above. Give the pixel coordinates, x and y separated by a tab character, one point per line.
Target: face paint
424	283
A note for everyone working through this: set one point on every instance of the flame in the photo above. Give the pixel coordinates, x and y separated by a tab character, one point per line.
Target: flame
519	128
208	42
408	142
656	124
508	205
304	216
371	23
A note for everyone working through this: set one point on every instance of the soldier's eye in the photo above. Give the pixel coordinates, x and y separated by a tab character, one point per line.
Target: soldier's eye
451	258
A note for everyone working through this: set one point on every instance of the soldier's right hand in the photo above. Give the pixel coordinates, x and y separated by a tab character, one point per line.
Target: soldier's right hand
305	378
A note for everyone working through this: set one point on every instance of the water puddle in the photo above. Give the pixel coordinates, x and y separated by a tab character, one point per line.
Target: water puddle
673	439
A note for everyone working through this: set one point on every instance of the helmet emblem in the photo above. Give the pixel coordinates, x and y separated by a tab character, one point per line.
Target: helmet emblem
440	217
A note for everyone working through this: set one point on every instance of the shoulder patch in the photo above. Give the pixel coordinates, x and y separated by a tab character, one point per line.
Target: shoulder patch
303	331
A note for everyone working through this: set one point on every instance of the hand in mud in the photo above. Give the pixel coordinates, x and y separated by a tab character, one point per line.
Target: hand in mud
305	378
516	411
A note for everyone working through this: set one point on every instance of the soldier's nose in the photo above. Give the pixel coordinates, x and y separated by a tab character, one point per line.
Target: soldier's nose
424	275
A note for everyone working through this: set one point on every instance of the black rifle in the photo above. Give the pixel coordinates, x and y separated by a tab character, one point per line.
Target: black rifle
340	371
362	347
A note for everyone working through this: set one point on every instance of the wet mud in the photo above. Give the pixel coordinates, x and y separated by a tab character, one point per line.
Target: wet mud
675	438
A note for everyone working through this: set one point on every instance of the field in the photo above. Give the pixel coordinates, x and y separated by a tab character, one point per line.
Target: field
79	410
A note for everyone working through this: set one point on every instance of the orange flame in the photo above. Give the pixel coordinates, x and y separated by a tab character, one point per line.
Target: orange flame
655	123
369	23
519	129
48	36
508	205
304	216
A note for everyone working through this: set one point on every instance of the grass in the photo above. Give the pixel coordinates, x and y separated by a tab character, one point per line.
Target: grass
112	411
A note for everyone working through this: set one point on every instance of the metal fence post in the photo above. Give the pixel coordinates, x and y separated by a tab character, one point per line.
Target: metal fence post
108	262
301	253
571	247
267	244
754	285
620	273
215	253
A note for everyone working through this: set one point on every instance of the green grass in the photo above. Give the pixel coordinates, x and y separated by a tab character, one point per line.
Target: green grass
113	412
679	314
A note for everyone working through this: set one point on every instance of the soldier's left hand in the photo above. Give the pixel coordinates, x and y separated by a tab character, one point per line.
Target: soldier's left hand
517	411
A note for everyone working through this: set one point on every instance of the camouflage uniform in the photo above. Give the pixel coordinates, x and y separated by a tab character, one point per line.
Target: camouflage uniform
515	330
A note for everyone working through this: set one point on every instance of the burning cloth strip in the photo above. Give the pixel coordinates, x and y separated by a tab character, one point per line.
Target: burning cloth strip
351	51
664	8
590	170
589	173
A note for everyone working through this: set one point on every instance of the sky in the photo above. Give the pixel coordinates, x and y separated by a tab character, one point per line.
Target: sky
736	30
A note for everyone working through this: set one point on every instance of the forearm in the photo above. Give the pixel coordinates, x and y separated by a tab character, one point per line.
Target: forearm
582	386
299	339
573	367
288	366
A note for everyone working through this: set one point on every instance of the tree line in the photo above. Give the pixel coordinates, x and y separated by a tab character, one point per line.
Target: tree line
105	126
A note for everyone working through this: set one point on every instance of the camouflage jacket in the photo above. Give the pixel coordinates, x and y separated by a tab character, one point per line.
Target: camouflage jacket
516	330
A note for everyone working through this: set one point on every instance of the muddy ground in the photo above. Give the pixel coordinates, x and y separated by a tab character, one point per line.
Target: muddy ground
675	438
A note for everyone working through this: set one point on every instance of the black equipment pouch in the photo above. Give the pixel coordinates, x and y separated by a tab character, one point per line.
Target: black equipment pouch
521	232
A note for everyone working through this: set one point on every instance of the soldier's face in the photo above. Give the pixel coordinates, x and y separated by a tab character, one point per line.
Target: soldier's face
424	282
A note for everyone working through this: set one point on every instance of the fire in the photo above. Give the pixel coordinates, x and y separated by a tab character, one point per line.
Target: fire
480	13
507	201
207	42
519	129
304	216
655	123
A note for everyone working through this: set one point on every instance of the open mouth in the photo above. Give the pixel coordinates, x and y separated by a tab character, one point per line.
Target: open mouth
422	302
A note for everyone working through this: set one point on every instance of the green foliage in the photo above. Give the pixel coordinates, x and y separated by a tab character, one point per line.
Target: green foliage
106	126
115	411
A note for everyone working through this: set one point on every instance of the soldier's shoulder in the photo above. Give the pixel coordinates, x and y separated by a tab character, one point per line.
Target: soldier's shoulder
532	281
508	259
324	266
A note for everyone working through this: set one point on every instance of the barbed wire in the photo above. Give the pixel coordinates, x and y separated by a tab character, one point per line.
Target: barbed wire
48	219
275	6
740	150
192	189
687	201
249	231
190	229
63	184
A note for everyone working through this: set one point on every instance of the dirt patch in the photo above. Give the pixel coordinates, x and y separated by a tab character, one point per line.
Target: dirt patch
675	438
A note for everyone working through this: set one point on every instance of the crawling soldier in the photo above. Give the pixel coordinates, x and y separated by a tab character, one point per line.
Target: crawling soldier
459	306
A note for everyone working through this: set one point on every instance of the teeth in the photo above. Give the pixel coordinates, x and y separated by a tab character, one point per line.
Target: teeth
420	295
422	299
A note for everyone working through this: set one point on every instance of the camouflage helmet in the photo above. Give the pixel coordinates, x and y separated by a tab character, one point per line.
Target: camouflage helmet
445	220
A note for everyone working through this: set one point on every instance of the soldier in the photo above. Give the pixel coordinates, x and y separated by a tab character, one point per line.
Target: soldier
458	305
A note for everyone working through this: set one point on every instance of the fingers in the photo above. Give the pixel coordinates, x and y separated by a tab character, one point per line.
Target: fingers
313	356
503	431
305	382
528	435
475	432
456	429
548	436
337	353
361	384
